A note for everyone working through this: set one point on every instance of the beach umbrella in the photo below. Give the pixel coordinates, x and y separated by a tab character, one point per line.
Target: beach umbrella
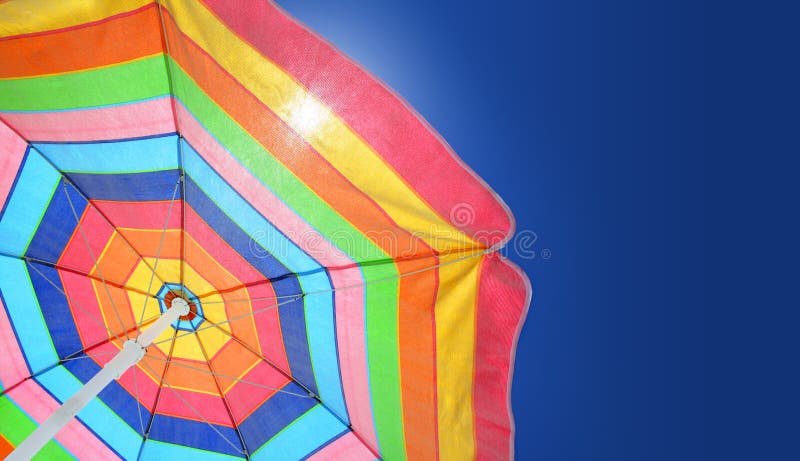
220	238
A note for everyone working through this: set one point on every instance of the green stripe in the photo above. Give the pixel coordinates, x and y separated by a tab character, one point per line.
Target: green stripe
16	426
123	83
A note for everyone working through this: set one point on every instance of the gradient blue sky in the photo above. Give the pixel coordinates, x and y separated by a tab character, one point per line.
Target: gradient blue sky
587	119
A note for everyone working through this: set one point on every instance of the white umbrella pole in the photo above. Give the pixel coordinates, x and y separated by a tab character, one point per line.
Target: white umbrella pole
131	353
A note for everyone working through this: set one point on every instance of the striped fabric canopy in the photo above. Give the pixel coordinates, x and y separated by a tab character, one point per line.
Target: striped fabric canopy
347	300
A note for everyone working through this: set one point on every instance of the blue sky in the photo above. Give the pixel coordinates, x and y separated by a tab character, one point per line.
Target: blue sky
587	119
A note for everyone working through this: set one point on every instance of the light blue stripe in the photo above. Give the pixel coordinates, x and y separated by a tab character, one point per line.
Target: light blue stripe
26	315
148	154
322	342
160	451
96	415
319	308
302	437
29	199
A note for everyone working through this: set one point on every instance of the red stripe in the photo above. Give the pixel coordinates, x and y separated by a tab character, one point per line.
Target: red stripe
379	116
503	299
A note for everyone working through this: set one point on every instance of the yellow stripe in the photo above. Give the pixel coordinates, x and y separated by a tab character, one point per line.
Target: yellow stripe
319	125
455	357
19	17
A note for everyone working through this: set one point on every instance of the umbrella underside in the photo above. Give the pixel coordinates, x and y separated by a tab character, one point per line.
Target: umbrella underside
345	297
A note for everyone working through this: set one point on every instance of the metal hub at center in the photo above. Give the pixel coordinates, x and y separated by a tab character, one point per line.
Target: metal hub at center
181	305
177	296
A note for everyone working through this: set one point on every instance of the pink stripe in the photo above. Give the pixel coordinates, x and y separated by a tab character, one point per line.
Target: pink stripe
345	447
374	111
209	406
141	215
349	303
85	308
115	122
97	231
12	149
268	325
37	403
503	299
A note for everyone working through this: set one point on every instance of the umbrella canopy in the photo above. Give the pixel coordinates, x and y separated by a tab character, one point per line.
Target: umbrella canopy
346	296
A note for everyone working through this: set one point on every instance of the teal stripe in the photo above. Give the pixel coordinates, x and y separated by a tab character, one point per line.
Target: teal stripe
25	314
300	438
35	187
140	155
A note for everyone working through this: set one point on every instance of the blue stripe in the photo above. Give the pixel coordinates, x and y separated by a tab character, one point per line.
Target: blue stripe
315	428
57	224
58	317
274	415
129	187
158	451
196	434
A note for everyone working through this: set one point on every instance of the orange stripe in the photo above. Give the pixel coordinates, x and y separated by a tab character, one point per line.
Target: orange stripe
417	359
126	37
5	447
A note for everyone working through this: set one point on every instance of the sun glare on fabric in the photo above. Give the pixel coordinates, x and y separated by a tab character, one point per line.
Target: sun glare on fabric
306	114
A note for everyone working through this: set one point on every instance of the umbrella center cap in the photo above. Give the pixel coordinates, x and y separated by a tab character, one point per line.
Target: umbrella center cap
182	306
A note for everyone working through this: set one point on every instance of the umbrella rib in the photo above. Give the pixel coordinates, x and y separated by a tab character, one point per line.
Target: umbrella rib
96	262
158	252
348	287
170	80
72	301
234	378
293	298
222	396
196	412
305	388
352	266
182	168
75	271
181	164
263	358
238	317
146	433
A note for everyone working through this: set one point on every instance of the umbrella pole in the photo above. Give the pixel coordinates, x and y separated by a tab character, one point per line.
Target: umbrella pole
131	353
